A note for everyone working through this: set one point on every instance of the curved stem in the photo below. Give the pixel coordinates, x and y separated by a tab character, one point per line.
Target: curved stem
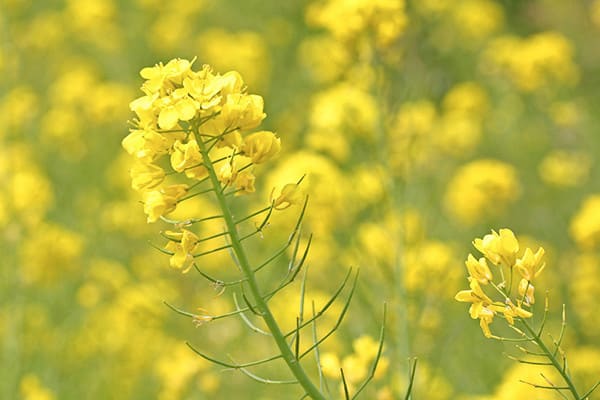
259	303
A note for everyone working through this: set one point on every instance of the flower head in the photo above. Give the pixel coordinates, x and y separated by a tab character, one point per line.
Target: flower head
499	247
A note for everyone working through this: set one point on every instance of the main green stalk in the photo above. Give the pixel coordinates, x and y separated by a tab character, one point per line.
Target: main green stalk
260	304
553	360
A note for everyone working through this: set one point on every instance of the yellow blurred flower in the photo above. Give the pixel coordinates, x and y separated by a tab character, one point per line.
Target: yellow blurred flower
585	224
480	189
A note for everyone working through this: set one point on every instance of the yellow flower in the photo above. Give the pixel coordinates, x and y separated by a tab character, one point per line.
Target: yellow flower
585	225
499	248
147	145
511	311
244	182
261	146
186	158
531	265
161	75
290	195
243	111
330	365
182	244
489	185
482	306
474	295
526	291
478	269
146	176
161	202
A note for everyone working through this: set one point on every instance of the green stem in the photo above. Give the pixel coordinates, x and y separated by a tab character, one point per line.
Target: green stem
555	363
260	304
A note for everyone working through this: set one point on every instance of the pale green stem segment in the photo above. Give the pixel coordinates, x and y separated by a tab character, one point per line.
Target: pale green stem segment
552	358
260	304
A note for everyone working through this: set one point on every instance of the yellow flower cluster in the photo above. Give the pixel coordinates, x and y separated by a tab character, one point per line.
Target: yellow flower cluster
500	248
534	62
182	108
188	124
346	20
585	225
489	185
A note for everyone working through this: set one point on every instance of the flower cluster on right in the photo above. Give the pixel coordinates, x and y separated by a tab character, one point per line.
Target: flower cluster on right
500	249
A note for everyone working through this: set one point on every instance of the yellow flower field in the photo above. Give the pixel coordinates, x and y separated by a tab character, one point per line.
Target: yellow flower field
326	199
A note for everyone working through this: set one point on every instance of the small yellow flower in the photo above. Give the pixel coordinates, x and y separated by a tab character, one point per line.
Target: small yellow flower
531	265
290	195
478	269
146	176
186	157
261	146
244	182
526	291
511	311
163	201
182	244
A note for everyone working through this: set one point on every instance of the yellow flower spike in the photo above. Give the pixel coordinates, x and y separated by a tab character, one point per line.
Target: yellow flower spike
261	146
145	176
158	203
526	291
531	265
478	269
182	246
146	145
499	247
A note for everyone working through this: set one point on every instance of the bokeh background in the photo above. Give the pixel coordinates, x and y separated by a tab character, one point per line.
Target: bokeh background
420	125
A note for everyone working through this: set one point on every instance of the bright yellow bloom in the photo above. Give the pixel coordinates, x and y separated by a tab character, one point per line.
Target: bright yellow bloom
182	244
481	307
146	176
158	203
162	76
243	111
186	157
478	269
261	146
499	248
531	265
148	145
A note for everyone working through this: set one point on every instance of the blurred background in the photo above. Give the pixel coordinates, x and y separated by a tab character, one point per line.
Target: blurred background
420	125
